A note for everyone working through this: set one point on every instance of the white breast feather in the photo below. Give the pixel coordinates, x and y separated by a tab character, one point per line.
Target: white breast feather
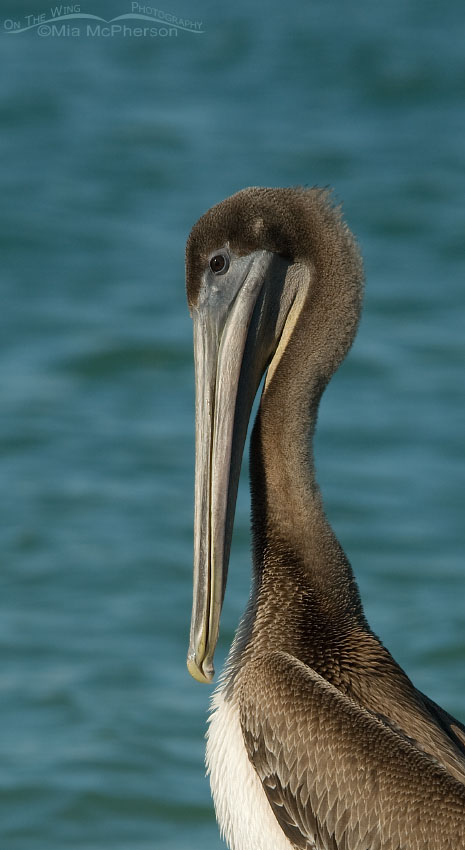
243	812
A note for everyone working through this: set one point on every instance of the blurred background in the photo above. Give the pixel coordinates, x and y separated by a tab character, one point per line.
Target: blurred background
111	148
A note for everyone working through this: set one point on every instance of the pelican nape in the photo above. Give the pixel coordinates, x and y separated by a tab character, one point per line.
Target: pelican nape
317	738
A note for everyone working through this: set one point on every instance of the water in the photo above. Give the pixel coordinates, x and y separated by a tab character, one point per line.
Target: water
111	148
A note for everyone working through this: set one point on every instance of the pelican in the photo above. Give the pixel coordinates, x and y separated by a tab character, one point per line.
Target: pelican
317	738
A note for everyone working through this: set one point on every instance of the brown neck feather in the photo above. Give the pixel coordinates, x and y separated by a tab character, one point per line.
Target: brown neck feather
303	580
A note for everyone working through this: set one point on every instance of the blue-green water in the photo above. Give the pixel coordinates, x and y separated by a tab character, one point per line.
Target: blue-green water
111	147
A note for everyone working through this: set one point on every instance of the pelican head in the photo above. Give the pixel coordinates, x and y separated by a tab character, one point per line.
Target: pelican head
254	265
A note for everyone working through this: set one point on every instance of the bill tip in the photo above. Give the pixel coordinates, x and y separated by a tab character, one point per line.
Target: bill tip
200	672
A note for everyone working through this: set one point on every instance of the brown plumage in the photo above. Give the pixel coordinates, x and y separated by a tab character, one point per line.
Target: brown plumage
348	752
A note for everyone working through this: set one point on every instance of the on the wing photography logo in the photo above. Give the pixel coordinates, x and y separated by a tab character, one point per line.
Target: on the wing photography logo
141	21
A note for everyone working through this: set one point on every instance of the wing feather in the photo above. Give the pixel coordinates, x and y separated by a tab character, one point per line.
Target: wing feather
336	776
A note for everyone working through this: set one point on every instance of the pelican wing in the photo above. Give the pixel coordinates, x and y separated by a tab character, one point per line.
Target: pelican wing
336	776
452	727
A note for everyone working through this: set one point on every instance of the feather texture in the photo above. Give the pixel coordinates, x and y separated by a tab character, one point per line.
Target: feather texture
337	777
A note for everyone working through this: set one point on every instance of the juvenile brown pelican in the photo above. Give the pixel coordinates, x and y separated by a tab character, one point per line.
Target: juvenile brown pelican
317	739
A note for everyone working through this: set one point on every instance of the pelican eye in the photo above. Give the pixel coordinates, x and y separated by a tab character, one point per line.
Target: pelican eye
219	263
